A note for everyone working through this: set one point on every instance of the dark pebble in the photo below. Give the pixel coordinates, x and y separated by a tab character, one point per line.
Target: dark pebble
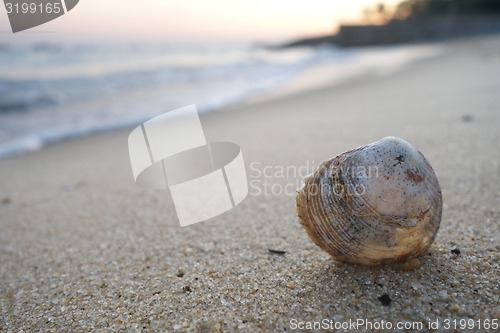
277	251
455	251
186	289
385	300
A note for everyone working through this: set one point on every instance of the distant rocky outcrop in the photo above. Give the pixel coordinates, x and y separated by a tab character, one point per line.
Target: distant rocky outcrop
416	21
418	29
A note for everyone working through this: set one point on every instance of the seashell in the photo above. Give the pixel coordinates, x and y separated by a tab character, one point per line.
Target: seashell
376	204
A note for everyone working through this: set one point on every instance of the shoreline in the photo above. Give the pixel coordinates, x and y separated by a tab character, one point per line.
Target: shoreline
324	74
83	248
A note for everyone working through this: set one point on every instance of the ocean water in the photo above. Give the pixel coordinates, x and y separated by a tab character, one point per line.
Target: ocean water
49	92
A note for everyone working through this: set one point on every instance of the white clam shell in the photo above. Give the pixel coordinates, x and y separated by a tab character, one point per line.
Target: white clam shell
375	204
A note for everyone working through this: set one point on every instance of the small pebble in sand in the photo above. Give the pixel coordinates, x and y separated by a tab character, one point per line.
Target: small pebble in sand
180	273
443	294
467	118
411	264
455	308
455	251
416	285
290	285
187	289
6	201
385	300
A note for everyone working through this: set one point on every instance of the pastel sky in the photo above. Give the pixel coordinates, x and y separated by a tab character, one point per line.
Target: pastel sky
194	20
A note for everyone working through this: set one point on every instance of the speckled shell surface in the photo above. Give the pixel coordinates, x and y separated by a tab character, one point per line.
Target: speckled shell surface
376	204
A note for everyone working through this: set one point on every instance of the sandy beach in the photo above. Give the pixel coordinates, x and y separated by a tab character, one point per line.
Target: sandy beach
82	248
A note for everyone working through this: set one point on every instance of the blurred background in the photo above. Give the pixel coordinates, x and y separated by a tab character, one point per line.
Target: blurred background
110	64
